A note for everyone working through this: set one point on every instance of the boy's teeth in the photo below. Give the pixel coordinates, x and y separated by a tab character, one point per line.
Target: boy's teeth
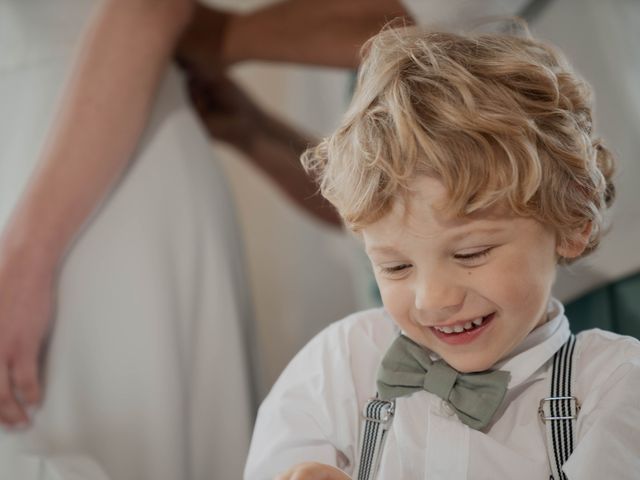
461	328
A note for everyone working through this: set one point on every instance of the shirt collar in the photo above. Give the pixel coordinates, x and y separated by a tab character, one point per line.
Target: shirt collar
537	347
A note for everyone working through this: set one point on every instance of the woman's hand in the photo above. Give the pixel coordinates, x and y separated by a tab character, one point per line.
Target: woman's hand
226	111
26	301
230	115
201	48
313	471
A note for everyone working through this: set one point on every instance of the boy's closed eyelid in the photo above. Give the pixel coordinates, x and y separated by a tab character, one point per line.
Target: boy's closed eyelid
471	251
466	253
474	257
394	266
396	269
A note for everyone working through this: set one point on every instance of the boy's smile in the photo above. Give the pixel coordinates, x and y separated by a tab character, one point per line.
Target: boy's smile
469	289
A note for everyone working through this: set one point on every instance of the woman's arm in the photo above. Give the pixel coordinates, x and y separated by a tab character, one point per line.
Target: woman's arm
232	116
328	33
126	48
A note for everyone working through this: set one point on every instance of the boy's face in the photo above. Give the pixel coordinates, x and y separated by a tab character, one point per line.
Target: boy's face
469	289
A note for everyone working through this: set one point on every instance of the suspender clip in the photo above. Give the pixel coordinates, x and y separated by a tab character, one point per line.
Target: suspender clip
378	416
567	408
379	411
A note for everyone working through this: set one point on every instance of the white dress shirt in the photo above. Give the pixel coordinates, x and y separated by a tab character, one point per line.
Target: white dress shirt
313	411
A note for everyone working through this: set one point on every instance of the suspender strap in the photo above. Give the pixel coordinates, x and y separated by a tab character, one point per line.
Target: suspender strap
378	415
559	411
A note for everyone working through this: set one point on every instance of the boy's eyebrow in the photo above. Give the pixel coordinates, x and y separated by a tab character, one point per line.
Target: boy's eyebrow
382	250
471	231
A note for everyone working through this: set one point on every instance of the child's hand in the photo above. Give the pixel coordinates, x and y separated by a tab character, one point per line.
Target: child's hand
313	471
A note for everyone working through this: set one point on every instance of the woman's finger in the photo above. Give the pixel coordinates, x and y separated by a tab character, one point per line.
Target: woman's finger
11	413
25	378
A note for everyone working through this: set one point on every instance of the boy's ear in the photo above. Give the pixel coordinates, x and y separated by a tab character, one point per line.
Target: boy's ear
575	245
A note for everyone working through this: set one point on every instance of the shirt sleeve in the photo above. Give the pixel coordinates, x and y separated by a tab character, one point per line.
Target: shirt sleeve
311	414
457	13
608	444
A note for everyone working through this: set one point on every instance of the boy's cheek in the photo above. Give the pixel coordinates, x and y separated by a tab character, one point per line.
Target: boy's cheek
397	301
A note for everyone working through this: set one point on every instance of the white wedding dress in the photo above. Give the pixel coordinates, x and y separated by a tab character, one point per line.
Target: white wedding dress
147	373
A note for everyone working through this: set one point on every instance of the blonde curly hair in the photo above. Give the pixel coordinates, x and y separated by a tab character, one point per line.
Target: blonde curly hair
496	118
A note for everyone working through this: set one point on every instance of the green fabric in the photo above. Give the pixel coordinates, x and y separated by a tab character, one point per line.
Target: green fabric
614	307
407	368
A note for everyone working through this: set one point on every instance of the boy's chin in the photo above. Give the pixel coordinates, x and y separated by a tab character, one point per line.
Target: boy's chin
468	362
470	365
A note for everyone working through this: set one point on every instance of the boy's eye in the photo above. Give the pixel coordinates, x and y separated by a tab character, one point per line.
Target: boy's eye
394	269
473	256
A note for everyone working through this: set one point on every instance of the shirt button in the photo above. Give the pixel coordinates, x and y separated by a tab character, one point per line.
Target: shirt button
446	409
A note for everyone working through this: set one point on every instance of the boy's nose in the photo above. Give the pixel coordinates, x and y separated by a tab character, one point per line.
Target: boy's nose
438	294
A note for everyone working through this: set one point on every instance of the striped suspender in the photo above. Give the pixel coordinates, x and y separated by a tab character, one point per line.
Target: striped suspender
378	415
559	411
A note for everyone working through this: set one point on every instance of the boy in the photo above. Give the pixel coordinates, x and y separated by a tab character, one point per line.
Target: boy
468	167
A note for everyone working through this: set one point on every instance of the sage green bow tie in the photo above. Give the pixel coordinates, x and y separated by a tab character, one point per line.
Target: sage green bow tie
407	368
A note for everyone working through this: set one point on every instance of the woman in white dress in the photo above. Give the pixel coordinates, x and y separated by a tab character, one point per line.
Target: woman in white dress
146	375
